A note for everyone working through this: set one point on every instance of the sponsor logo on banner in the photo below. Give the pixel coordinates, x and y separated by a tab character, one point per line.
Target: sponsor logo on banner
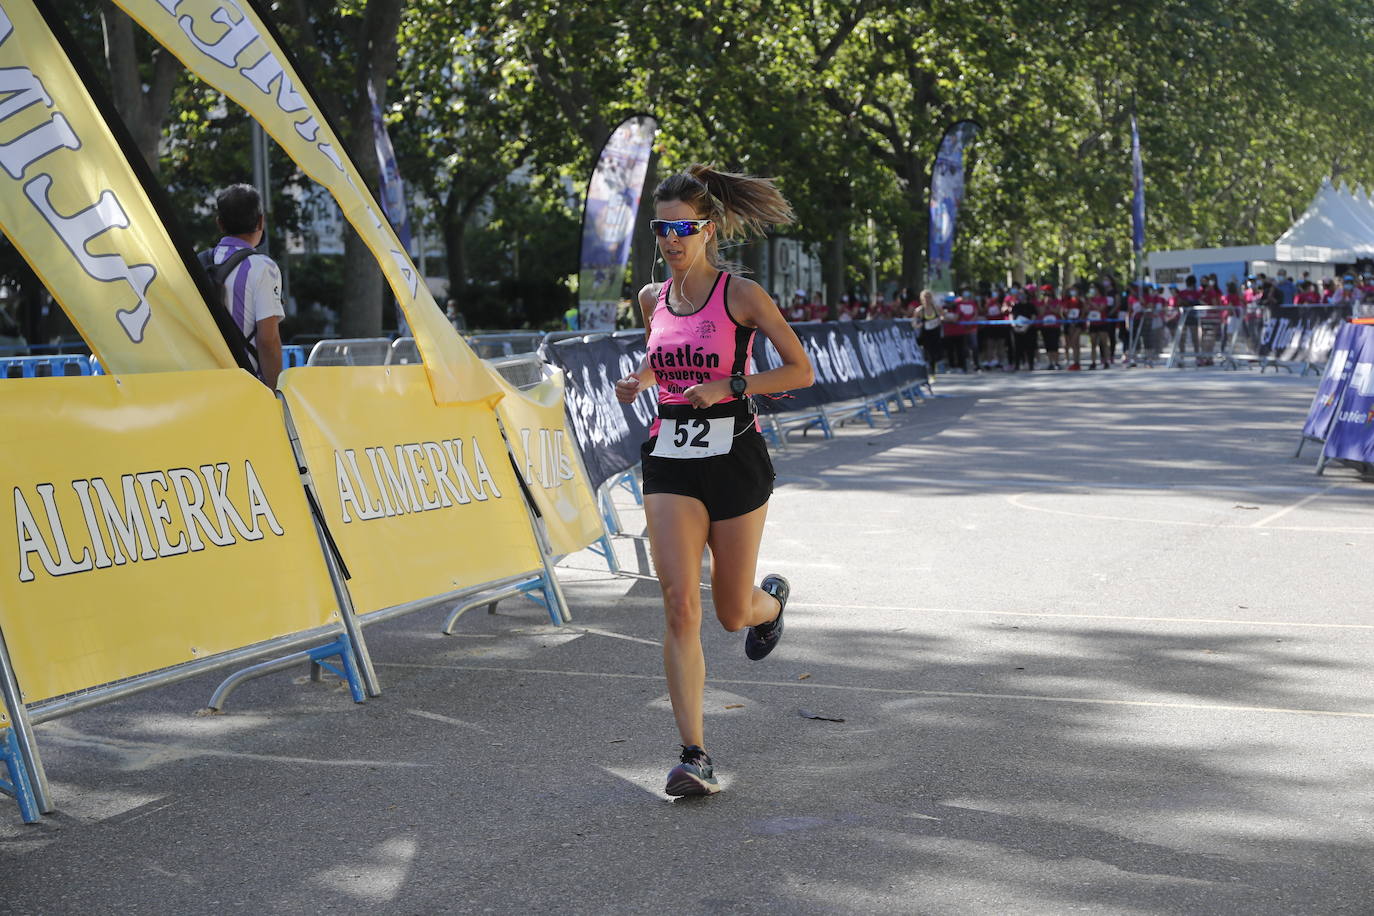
409	478
134	520
421	499
151	519
534	420
547	462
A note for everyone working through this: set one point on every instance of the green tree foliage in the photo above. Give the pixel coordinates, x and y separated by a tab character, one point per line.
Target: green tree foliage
498	108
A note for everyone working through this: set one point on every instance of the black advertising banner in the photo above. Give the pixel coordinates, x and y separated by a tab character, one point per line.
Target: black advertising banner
608	433
851	359
1302	333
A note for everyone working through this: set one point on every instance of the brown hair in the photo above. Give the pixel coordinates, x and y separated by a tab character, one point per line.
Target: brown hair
739	205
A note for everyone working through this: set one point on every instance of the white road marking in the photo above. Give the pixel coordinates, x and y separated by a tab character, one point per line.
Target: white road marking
1017	500
906	691
447	720
594	631
1297	505
1143	619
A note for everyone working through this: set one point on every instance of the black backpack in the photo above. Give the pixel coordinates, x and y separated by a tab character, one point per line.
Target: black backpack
219	273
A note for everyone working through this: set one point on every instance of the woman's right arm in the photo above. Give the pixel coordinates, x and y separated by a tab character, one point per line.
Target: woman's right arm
628	388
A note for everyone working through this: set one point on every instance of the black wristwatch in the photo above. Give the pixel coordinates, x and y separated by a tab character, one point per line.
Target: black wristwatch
737	385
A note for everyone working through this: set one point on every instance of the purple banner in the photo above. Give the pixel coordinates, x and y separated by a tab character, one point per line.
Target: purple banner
1334	380
608	220
946	194
1138	202
393	191
1351	437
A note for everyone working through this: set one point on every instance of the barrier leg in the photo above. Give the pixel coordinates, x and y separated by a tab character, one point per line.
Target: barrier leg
338	573
631	482
18	784
606	551
347	671
1302	440
21	730
491	599
824	424
609	515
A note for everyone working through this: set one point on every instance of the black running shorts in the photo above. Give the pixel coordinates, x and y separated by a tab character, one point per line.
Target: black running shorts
728	485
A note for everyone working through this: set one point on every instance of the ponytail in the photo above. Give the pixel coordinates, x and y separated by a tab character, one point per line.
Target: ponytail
739	205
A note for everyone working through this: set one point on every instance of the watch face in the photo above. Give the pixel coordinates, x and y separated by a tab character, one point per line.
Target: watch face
737	385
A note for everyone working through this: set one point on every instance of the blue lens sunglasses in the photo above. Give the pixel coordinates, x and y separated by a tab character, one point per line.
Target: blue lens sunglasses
679	227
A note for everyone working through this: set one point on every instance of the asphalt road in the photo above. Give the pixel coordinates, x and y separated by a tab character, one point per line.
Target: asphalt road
1098	642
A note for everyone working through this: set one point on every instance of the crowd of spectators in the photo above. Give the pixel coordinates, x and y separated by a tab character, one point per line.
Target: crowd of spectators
1030	325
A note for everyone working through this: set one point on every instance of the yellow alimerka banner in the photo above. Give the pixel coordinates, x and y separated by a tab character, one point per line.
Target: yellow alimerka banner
74	208
536	426
226	44
421	500
150	520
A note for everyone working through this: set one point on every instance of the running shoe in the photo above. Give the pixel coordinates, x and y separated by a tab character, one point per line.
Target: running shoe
765	636
1073	368
694	775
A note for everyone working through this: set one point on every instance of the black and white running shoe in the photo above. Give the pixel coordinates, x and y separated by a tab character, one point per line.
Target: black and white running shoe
765	636
694	775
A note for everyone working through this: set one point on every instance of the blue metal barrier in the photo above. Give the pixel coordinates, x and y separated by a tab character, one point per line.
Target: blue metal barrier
18	784
45	366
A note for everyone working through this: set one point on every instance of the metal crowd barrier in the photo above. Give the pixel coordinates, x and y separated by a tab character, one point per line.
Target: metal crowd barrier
48	366
351	351
73	364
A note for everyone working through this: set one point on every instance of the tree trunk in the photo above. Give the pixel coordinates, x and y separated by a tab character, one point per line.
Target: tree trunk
361	309
914	233
455	250
373	44
834	272
142	106
1018	255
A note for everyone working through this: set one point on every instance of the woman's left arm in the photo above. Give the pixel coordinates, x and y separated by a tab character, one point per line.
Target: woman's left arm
752	306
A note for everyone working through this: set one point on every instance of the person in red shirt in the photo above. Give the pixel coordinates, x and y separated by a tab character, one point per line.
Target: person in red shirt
1051	318
960	337
1100	313
1074	309
1190	297
995	337
1308	296
1134	322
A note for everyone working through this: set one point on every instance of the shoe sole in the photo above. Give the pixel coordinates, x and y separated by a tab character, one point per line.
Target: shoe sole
684	784
782	602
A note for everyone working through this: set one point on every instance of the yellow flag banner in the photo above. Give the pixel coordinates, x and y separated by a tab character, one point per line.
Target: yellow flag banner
149	520
74	208
226	43
421	499
542	446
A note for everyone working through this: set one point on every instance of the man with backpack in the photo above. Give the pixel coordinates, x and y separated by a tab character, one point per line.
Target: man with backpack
249	283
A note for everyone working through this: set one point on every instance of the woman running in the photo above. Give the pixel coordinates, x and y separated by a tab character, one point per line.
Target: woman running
707	474
1051	312
929	320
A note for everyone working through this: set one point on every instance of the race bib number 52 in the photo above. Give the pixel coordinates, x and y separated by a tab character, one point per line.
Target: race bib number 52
695	438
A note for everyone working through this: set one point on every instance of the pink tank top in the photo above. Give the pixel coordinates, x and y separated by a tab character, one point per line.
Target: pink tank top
707	345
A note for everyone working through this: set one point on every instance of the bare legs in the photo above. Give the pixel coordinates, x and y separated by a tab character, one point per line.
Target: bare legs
679	530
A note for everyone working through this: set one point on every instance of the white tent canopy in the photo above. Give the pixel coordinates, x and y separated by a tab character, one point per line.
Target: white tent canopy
1339	219
1336	228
